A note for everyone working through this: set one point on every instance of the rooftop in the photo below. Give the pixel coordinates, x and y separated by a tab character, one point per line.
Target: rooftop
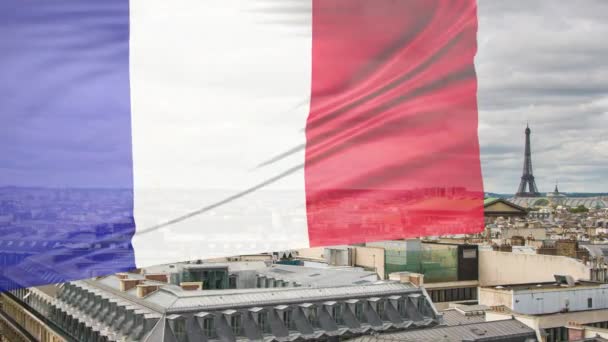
547	286
453	317
318	277
483	331
171	298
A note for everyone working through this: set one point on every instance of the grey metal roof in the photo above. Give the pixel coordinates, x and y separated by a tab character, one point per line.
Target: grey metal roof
486	331
318	277
589	202
231	265
596	250
454	317
278	296
172	298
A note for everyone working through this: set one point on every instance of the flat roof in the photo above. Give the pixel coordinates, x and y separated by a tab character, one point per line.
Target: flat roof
544	286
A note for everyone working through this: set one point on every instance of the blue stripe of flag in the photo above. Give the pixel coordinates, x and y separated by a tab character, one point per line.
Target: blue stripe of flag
66	175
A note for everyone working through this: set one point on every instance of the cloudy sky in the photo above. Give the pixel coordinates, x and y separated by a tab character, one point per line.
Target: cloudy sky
544	61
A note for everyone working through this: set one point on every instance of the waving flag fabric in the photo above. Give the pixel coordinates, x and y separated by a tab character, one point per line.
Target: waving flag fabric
150	131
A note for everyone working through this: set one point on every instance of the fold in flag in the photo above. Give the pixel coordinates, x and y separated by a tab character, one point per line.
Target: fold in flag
150	131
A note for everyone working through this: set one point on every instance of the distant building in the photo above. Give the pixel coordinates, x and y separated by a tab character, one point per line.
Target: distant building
549	307
558	327
547	298
498	207
565	200
555	197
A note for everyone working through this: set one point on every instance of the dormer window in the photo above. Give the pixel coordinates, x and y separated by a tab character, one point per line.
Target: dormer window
381	309
209	327
236	324
264	322
359	312
288	320
207	322
311	313
285	313
178	326
337	313
401	307
313	316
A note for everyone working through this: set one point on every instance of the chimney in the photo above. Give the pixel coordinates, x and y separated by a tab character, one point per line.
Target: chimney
157	277
145	289
417	279
127	284
122	275
191	285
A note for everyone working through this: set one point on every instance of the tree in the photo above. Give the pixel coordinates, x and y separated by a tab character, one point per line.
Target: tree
580	209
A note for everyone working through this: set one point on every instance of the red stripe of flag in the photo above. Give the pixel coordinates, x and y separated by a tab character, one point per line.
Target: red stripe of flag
392	148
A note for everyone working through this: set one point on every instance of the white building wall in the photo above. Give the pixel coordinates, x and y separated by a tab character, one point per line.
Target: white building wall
536	302
500	268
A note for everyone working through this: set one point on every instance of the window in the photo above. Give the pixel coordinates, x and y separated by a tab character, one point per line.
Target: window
381	309
313	317
288	320
260	282
401	307
209	327
235	324
461	295
179	329
589	303
359	312
263	323
336	313
232	282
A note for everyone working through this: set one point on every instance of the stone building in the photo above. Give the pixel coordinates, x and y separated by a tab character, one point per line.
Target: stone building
136	307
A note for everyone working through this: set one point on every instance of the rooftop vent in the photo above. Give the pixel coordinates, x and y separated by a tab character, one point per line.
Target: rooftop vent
564	280
478	332
359	282
280	270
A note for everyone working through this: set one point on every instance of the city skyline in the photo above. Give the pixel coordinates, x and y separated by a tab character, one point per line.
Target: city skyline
543	63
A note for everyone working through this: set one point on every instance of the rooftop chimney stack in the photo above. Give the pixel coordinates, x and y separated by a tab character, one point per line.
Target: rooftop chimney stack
127	284
191	285
145	289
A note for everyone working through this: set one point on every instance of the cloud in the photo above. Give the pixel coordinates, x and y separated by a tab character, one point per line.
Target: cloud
546	64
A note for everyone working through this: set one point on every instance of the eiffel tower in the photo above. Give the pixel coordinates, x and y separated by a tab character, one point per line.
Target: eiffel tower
527	179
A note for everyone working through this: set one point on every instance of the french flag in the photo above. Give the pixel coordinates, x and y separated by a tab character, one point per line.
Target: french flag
143	132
